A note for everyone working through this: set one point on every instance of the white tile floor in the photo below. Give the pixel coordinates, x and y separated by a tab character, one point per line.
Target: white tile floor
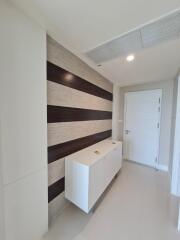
137	206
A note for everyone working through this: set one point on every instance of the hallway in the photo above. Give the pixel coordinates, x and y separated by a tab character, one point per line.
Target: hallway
136	206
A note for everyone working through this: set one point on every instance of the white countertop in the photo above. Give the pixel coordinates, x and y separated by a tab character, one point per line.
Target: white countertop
87	156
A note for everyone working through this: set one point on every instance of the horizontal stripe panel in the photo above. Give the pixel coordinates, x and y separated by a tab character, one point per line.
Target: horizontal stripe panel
61	150
55	189
60	56
67	131
67	114
60	95
56	171
61	76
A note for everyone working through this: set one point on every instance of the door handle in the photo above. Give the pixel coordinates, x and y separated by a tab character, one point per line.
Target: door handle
127	131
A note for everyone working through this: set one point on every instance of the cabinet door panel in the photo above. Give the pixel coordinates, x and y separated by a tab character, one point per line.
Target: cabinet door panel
109	168
96	182
118	158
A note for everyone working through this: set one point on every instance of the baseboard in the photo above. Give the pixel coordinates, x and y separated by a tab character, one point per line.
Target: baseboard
162	167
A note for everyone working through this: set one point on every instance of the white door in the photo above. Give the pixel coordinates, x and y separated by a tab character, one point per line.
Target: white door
142	126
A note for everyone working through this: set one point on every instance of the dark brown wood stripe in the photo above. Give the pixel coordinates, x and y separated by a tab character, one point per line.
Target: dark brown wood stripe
55	189
62	76
68	114
64	149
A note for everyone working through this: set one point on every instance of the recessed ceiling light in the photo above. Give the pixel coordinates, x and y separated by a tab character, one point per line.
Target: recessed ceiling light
130	58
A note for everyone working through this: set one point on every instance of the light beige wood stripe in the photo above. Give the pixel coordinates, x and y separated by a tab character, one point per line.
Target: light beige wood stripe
60	95
56	171
67	131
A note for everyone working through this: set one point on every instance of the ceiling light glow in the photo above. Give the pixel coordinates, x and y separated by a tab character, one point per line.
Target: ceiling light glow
130	58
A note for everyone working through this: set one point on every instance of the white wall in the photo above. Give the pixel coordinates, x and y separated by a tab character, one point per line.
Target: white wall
179	220
1	214
1	188
116	124
166	117
175	180
175	91
23	125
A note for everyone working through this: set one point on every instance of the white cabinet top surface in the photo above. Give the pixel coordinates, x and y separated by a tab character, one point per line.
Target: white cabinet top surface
88	156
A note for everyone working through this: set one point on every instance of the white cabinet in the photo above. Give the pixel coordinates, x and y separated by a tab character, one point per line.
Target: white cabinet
89	172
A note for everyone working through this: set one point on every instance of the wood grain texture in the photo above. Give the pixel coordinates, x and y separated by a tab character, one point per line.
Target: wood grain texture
64	149
56	171
62	57
62	76
66	131
68	114
55	189
60	95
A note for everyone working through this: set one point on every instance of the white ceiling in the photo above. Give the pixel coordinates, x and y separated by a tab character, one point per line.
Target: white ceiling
165	29
81	25
152	64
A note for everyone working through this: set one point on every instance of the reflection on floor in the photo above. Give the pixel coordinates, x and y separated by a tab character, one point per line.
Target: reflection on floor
137	206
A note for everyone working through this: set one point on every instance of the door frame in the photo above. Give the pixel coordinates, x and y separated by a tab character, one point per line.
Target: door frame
124	126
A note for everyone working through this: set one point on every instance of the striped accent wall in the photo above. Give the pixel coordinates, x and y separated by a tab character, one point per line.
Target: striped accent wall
79	113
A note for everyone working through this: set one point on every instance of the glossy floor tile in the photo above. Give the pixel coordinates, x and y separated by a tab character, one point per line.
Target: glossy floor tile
136	206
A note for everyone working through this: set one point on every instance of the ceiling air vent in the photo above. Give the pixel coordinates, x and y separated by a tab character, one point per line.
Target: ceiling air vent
120	46
151	34
164	29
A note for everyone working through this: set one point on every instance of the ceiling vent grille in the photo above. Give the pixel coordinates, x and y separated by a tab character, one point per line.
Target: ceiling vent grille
164	29
152	34
128	43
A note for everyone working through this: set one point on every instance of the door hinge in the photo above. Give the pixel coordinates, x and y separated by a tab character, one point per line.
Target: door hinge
156	159
159	109
158	125
159	100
